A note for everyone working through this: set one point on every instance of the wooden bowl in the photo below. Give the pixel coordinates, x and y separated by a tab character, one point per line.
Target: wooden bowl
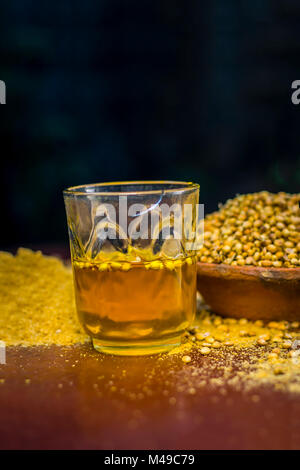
251	292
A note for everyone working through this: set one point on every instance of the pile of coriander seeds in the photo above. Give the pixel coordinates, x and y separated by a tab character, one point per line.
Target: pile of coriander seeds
259	229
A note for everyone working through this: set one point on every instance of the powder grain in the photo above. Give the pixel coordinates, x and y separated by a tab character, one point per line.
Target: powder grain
37	301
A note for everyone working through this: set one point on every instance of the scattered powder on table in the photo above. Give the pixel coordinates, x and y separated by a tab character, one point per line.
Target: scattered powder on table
240	353
37	301
37	308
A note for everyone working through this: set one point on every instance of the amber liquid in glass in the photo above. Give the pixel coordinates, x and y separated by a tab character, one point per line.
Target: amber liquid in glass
132	307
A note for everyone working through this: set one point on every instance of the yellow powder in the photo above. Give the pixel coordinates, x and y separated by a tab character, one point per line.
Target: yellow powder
249	354
37	308
37	301
183	348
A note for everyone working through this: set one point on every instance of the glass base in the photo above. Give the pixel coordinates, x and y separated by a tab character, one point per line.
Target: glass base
135	349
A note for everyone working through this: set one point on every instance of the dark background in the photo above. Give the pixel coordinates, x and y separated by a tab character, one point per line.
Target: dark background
104	90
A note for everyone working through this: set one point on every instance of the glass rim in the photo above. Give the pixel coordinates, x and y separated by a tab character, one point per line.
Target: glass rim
80	190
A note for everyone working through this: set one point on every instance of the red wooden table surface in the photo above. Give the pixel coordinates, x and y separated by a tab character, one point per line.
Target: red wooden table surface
74	397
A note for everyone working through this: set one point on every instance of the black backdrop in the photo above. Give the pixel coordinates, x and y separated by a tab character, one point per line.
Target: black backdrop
105	90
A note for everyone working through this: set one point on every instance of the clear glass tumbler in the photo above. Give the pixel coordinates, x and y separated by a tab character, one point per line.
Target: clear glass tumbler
134	262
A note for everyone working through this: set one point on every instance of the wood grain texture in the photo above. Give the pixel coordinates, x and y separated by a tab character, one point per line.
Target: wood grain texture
76	398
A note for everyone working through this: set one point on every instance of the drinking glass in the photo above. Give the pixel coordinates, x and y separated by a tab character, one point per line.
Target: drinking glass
134	262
